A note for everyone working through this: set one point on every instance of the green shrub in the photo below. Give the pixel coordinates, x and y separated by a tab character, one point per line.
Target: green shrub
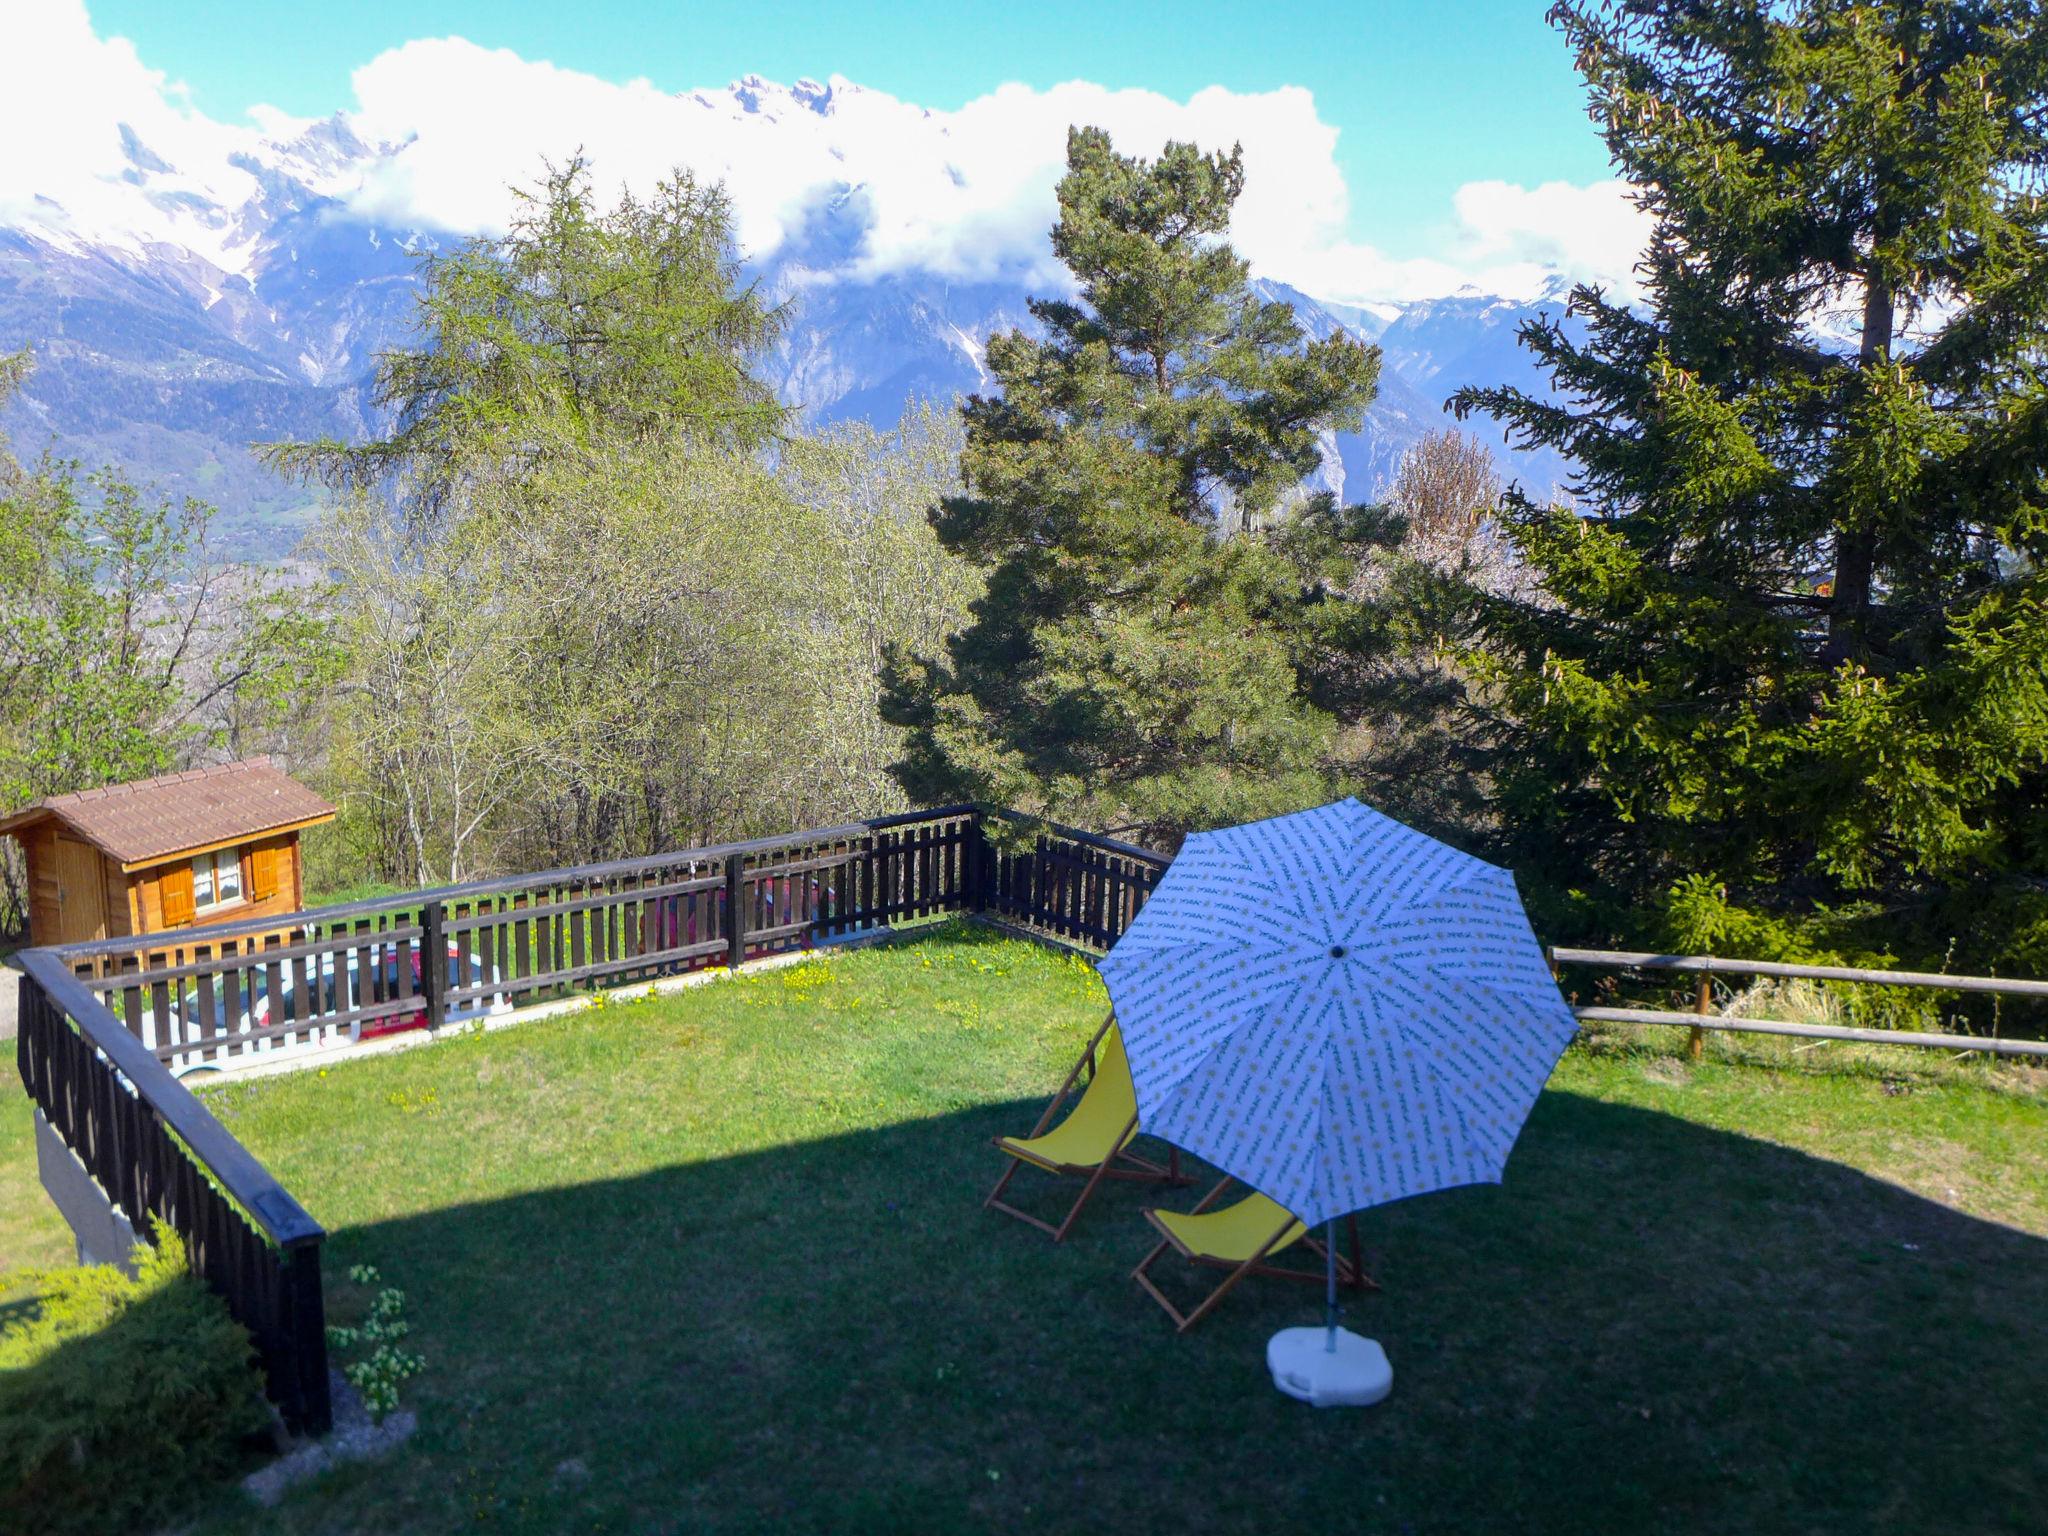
121	1400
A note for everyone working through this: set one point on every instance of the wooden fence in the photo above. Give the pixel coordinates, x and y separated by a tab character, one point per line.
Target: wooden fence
1072	885
1703	1018
158	1152
221	993
107	1025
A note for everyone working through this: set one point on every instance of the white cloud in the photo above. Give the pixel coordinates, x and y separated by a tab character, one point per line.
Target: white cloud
66	96
1594	232
966	193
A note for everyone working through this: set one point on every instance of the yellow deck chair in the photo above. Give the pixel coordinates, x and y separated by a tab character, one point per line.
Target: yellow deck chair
1240	1238
1093	1142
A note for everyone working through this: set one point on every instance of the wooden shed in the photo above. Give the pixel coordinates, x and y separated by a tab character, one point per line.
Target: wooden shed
179	851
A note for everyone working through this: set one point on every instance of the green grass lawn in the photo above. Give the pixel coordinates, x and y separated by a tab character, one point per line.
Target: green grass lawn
717	1262
31	1231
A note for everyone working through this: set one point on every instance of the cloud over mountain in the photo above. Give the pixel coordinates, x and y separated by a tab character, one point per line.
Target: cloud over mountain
964	194
190	287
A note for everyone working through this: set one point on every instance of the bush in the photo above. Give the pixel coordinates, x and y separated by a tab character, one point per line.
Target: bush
121	1400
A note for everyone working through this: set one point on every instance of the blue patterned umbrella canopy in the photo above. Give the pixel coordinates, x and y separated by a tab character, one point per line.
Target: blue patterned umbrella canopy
1336	1009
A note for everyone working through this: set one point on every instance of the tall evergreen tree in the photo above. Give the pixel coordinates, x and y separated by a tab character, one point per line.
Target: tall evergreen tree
1134	665
1790	665
580	322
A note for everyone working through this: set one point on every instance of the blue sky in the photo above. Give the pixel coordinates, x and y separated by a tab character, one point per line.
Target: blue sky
1425	97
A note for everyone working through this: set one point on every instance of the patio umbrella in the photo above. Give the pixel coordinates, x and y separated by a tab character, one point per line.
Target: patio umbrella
1337	1010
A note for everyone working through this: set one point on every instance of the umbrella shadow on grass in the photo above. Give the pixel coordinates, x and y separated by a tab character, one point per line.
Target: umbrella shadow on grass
1652	1325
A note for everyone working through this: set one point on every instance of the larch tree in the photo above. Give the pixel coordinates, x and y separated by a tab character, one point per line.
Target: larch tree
581	322
597	599
556	378
1786	683
1135	663
1447	485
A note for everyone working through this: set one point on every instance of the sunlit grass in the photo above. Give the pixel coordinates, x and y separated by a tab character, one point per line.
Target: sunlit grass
836	1044
716	1261
31	1231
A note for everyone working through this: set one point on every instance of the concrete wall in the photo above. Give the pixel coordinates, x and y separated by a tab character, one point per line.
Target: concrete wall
101	1234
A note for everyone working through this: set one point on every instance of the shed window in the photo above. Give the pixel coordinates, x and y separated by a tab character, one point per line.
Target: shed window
217	878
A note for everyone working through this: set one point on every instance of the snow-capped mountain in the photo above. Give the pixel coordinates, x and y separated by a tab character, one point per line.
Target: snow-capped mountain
1469	337
184	312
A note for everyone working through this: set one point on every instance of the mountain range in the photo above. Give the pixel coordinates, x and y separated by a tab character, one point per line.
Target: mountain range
185	321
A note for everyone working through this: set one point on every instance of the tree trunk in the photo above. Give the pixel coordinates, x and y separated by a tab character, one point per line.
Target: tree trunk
1856	548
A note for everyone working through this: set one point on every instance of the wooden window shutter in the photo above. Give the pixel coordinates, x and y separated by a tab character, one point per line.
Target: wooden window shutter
174	891
265	872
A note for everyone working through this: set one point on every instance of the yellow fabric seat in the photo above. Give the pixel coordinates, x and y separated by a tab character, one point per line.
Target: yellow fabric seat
1241	1238
1093	1140
1235	1233
1101	1125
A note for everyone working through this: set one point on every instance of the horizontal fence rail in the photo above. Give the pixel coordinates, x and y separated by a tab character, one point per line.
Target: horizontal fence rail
1714	965
217	995
157	1152
1703	1017
1996	1047
107	1025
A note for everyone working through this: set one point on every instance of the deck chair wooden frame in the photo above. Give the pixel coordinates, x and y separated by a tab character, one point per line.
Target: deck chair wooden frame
1121	1164
1350	1269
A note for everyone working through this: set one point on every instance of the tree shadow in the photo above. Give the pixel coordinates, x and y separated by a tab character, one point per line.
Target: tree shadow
1652	1325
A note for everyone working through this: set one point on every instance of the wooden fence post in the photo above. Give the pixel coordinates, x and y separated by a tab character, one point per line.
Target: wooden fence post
974	896
1696	1042
434	965
305	1313
735	913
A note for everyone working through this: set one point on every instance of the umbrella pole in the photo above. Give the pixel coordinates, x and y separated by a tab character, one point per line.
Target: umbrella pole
1330	1287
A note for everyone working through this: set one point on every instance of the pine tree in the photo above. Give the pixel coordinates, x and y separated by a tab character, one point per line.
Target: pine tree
1135	663
1788	682
581	322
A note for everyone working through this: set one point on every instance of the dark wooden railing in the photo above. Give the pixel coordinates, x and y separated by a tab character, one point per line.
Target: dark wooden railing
105	1025
1072	885
213	995
158	1152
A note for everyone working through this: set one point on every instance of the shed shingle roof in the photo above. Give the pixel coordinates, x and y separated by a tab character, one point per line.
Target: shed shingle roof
159	818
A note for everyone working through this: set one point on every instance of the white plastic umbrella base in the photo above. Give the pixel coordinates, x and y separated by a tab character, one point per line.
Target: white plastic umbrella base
1353	1375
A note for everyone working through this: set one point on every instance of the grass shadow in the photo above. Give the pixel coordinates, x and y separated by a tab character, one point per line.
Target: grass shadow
1652	1326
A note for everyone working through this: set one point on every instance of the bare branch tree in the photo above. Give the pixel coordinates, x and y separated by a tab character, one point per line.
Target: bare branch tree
1446	488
